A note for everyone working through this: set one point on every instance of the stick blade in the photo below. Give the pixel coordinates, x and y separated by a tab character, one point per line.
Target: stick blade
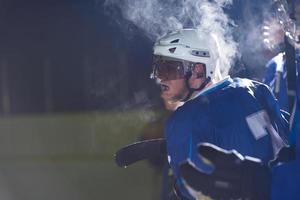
137	151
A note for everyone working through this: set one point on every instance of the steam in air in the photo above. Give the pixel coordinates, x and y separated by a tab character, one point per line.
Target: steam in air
258	35
156	18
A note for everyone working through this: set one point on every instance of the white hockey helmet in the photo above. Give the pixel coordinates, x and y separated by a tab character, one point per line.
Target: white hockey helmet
188	45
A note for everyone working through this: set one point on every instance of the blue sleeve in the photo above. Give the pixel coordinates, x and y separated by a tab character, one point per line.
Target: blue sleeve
182	131
182	141
270	103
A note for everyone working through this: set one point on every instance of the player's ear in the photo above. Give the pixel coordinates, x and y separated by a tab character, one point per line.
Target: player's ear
199	70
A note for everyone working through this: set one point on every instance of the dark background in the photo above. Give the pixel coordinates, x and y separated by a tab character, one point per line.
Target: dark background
58	56
65	56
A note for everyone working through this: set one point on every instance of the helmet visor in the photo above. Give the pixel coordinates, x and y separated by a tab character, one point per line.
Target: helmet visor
165	69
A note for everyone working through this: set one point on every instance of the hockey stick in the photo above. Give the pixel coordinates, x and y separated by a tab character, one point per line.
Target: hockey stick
137	151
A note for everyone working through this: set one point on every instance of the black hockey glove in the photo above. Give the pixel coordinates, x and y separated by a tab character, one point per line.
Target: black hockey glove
233	177
285	154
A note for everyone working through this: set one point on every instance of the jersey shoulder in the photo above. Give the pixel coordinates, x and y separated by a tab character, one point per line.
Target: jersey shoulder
250	85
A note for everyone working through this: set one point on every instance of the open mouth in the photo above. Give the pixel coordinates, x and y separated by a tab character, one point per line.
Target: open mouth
164	87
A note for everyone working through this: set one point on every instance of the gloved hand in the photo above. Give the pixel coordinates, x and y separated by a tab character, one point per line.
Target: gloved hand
285	154
234	176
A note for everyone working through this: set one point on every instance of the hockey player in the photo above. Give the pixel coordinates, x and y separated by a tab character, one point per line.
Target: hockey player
275	73
286	177
281	70
231	113
230	167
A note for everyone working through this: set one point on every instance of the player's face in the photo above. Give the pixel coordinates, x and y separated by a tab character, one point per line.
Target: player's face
173	91
171	78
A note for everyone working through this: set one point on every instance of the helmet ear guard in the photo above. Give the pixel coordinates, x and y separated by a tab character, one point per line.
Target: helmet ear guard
199	70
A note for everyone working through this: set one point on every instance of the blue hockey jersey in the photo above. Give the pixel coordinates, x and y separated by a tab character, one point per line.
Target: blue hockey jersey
286	177
234	114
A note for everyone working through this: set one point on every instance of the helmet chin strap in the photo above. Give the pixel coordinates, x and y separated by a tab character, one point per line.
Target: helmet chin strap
192	90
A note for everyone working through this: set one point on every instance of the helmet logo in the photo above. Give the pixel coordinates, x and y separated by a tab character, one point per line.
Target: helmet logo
200	53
